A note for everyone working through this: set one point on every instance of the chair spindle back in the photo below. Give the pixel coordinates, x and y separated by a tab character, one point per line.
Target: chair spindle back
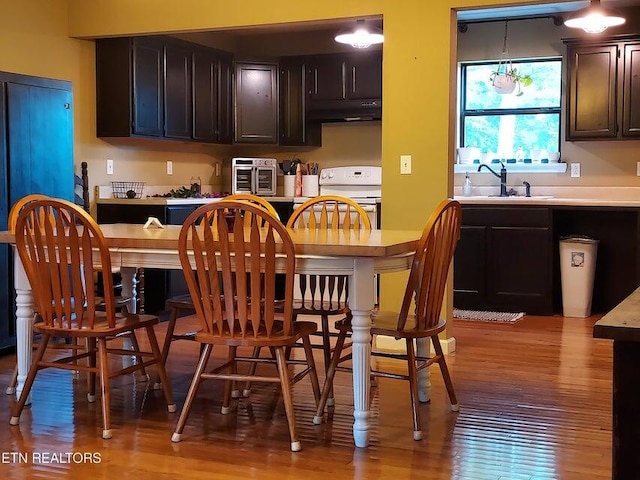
332	213
253	199
431	263
230	269
57	241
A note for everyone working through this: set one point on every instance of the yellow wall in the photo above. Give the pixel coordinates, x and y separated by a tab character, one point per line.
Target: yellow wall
417	81
417	77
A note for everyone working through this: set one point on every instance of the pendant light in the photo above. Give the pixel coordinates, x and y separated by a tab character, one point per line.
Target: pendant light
361	37
594	19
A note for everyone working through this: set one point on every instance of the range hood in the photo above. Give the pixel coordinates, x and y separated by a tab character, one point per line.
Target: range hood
347	111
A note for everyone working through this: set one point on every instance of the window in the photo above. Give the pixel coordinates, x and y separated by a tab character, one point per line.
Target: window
514	128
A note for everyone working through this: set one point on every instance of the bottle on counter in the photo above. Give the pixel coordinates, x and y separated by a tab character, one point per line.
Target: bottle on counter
299	181
466	186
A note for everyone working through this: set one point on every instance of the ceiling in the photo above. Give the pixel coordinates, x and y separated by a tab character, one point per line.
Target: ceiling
535	10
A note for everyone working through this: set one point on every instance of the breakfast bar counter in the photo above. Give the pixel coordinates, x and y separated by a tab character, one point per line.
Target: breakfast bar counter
622	325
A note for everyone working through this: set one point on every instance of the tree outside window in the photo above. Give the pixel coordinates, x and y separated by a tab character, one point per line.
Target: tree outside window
509	127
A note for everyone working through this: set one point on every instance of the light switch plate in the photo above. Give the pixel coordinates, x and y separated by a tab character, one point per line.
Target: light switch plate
405	164
169	167
638	169
575	170
109	166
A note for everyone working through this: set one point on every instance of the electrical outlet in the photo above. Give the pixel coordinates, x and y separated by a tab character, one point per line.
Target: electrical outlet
218	169
405	164
638	169
169	167
109	166
575	170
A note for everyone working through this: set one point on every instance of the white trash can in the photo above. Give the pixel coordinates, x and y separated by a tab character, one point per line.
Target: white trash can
577	269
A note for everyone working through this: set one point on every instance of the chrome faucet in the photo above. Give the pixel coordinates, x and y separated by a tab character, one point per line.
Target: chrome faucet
502	176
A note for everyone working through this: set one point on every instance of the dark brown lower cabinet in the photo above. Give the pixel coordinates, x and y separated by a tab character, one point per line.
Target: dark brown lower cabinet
504	260
508	257
618	261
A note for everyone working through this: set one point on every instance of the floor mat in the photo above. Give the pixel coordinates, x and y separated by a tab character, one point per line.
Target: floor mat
482	316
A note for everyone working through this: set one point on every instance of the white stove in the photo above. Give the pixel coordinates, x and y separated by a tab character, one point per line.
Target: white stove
360	183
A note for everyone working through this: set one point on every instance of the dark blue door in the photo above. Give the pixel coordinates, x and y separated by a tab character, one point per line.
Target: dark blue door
36	156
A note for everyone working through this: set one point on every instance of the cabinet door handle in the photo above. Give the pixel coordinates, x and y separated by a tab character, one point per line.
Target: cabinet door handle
353	79
344	80
315	81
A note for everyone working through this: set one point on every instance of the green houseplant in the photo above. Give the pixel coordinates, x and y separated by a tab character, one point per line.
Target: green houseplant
506	79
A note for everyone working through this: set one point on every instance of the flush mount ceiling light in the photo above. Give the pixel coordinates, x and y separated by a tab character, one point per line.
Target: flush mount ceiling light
361	37
594	19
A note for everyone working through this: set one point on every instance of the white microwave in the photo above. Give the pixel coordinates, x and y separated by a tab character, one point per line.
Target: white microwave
254	175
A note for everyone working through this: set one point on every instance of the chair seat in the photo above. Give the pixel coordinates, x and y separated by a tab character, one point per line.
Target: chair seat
385	323
184	302
316	307
300	329
101	327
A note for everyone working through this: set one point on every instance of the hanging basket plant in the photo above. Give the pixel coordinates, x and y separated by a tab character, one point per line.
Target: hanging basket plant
506	79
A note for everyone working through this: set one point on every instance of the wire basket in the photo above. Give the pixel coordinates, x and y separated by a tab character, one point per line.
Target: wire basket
127	189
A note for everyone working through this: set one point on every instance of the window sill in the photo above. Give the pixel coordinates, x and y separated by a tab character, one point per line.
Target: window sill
514	167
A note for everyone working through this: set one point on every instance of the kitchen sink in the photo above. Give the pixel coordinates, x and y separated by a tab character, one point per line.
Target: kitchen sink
520	197
511	198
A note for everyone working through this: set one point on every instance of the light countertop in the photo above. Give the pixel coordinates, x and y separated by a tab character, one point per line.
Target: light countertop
555	196
173	201
547	201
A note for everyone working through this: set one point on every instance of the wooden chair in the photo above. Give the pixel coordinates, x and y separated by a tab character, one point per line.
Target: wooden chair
11	223
57	242
425	288
81	198
230	268
121	302
184	303
326	295
82	181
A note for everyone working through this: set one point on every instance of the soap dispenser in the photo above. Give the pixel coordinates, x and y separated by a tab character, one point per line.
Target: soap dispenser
466	186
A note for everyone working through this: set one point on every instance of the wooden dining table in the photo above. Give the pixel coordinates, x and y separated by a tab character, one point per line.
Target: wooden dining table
357	254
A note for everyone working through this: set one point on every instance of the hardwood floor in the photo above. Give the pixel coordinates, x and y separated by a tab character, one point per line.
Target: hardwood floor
535	405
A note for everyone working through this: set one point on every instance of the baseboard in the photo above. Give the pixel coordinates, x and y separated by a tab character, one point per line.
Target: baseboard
389	344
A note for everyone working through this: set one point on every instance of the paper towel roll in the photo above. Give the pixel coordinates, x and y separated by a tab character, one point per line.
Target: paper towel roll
289	185
310	185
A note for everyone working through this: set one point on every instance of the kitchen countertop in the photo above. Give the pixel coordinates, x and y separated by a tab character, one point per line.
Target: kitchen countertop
555	196
473	200
174	201
546	201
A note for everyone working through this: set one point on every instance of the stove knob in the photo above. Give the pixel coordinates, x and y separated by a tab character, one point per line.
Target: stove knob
323	174
330	174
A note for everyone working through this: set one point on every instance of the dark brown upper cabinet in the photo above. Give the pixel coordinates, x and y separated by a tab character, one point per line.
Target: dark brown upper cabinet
256	103
162	87
177	92
130	87
211	97
344	85
603	89
295	127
